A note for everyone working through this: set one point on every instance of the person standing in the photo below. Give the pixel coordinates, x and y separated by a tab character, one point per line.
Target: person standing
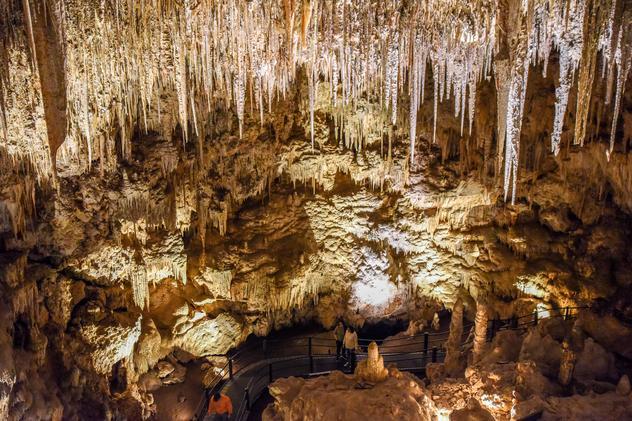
436	322
339	335
220	407
351	345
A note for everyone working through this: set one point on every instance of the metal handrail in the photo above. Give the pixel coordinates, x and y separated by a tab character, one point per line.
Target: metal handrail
428	341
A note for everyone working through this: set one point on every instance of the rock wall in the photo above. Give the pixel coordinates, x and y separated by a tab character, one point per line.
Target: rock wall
170	222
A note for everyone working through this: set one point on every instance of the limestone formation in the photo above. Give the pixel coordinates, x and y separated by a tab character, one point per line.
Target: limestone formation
372	369
623	387
480	331
471	412
335	397
453	364
567	365
177	177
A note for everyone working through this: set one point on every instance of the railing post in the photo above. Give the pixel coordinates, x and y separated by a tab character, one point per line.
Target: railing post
514	322
247	397
270	373
434	354
425	358
566	313
230	368
311	357
492	330
535	317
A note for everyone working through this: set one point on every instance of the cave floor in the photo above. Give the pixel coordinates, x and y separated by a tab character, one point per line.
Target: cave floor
180	401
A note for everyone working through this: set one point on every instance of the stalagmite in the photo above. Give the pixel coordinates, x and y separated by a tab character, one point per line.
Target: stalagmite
480	331
453	345
372	369
567	364
140	288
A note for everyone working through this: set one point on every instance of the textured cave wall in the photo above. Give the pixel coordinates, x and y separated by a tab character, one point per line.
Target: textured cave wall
129	270
160	236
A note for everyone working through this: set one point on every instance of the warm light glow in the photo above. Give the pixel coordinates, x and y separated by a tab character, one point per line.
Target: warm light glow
373	291
543	311
491	402
443	414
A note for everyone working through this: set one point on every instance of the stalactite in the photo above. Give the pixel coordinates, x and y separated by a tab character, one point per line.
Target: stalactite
569	37
126	64
595	17
623	61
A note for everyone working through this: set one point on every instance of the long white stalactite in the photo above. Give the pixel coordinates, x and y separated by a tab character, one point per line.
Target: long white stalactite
122	63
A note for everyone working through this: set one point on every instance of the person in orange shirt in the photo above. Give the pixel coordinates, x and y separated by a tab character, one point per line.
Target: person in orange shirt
220	406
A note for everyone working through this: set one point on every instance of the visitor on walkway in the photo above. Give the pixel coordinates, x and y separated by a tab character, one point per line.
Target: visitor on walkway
339	335
436	323
220	407
351	345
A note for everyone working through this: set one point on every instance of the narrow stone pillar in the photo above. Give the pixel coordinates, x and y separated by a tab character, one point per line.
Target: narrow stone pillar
453	345
480	331
567	364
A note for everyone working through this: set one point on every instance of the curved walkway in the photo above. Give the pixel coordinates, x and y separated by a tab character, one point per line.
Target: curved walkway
255	366
252	368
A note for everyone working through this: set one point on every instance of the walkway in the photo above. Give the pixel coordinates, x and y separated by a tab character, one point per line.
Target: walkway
252	368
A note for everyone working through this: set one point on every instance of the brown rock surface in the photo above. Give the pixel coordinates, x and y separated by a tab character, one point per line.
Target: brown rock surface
335	397
175	176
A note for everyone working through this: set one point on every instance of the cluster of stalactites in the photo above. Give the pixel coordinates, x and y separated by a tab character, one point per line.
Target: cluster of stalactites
578	30
141	274
154	64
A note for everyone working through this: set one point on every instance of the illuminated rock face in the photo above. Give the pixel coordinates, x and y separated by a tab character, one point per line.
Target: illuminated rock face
372	369
400	396
513	382
330	166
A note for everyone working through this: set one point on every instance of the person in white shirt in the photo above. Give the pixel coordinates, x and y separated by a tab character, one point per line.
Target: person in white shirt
351	345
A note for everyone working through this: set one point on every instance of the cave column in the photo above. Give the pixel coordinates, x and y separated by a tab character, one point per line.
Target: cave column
453	345
47	51
480	330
